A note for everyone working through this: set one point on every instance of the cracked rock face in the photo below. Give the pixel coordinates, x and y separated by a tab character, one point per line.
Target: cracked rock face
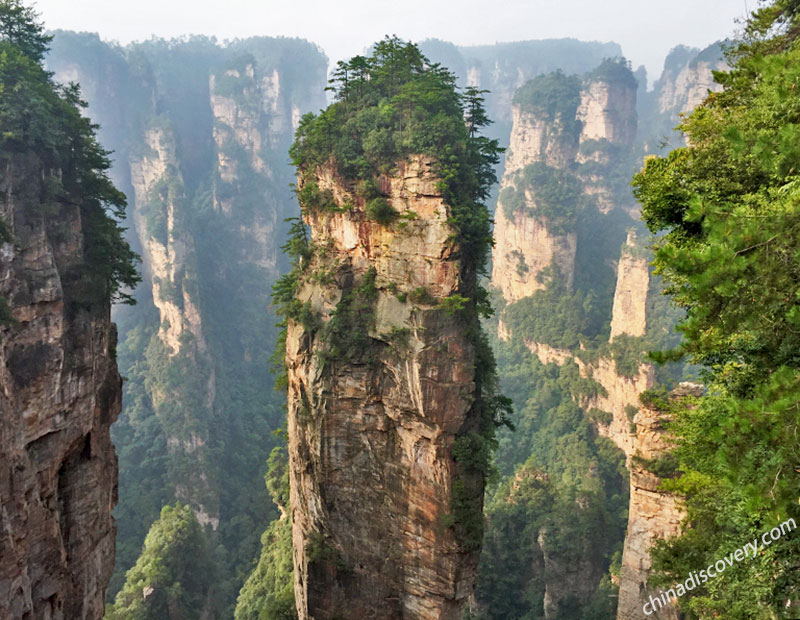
370	437
59	393
653	513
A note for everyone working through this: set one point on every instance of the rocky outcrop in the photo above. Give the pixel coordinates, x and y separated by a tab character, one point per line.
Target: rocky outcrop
608	117
524	247
620	398
586	141
168	255
618	393
59	393
168	248
372	425
608	111
685	82
684	88
537	138
629	315
653	514
250	121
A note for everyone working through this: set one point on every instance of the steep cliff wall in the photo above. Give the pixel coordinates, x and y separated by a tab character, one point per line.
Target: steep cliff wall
373	415
653	514
200	133
608	110
538	137
59	393
504	67
563	212
569	145
168	255
524	247
628	315
684	83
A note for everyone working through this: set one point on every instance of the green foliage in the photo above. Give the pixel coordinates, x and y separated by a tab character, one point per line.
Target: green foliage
628	354
164	585
422	296
727	208
555	316
379	210
554	97
558	196
19	26
600	416
44	121
165	85
453	304
389	106
313	198
346	334
268	593
394	104
614	71
6	315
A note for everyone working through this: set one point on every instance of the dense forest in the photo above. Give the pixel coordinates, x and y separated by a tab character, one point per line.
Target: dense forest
725	211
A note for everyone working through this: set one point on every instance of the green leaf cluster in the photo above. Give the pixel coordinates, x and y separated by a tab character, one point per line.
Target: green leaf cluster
164	584
727	208
43	129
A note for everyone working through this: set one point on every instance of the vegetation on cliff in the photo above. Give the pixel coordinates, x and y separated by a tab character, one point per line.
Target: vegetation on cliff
165	583
389	106
268	593
728	208
196	424
43	126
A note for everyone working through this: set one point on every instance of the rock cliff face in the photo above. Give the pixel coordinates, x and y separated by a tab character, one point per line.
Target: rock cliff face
524	247
59	393
630	299
504	67
608	111
654	513
371	430
526	242
200	134
168	255
537	138
684	83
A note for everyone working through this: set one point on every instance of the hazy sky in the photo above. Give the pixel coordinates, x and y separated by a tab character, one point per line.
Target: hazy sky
646	29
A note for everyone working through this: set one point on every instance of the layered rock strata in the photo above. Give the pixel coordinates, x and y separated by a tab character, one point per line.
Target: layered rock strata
59	393
373	416
582	142
653	514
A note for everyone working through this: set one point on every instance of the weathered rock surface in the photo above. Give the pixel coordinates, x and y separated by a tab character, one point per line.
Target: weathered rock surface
527	243
59	393
629	315
370	437
523	248
535	138
685	89
653	514
608	112
684	83
168	255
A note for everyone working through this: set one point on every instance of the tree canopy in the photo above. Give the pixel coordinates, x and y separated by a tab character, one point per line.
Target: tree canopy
42	122
165	583
728	210
19	26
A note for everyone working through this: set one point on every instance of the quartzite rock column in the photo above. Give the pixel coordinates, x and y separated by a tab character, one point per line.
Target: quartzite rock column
376	401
